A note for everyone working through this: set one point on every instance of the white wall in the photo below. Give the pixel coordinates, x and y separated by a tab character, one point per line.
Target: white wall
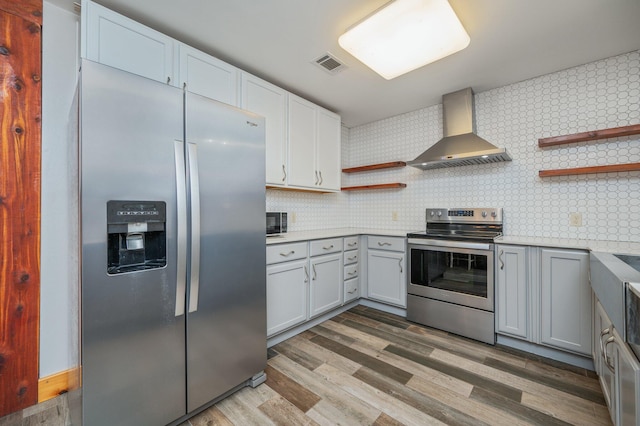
59	267
598	95
594	96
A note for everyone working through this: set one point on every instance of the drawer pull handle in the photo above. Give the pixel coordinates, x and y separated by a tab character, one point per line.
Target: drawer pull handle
383	244
352	258
287	254
352	273
352	244
352	291
607	361
400	264
500	259
603	333
313	267
328	248
306	274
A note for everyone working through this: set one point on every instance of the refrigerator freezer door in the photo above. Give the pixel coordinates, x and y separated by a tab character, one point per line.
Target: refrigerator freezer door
132	341
226	332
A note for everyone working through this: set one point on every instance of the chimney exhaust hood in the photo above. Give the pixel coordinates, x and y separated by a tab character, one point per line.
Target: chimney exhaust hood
460	146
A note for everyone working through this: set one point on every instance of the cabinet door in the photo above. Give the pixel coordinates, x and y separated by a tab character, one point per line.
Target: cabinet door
627	384
302	136
386	277
115	40
328	150
326	283
208	76
271	102
286	295
565	304
603	330
512	291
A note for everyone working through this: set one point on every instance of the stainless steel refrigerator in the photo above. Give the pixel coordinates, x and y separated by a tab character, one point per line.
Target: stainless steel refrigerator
173	249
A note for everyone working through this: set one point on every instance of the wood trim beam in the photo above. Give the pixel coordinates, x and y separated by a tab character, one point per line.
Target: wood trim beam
56	384
20	173
29	10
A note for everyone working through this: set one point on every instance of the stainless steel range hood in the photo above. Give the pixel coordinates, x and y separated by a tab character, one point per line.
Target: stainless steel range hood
460	145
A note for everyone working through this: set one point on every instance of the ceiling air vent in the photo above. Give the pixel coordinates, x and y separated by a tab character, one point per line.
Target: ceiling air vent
330	63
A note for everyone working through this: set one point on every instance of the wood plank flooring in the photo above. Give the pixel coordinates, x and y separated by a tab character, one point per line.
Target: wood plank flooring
367	367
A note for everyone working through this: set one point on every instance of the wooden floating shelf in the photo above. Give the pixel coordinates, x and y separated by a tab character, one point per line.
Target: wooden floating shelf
371	167
590	136
378	186
630	167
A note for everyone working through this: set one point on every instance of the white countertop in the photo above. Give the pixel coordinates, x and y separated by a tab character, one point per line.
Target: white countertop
319	234
619	247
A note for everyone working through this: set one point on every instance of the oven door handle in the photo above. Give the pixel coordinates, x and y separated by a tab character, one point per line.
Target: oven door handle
450	243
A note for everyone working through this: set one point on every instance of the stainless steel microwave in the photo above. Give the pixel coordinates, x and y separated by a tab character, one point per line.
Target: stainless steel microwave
276	223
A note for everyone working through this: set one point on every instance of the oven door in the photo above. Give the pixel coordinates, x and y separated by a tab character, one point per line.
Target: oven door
451	271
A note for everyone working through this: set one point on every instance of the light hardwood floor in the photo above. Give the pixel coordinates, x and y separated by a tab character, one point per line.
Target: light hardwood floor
373	368
366	367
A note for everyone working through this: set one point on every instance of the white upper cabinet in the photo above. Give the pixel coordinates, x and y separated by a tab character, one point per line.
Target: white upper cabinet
208	76
269	101
112	39
302	139
314	146
302	143
328	150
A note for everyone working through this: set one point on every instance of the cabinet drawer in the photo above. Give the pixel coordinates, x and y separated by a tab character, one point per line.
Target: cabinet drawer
386	243
351	289
351	257
285	252
351	243
331	245
350	271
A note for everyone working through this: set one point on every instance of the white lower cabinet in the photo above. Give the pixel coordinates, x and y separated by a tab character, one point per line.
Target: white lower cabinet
386	270
565	300
543	296
326	283
512	287
287	295
618	370
351	262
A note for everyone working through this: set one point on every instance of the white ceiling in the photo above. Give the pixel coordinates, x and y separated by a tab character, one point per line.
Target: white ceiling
511	41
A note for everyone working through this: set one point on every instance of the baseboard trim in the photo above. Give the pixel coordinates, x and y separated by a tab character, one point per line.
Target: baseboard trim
64	381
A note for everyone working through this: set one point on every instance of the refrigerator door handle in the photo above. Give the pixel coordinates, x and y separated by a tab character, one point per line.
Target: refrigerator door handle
181	190
194	185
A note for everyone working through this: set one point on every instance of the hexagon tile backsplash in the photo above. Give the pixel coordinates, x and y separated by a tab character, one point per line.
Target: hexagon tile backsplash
594	96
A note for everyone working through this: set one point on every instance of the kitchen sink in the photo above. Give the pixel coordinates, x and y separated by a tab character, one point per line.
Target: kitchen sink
633	261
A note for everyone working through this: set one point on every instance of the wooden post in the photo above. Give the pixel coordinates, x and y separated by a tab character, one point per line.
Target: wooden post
20	154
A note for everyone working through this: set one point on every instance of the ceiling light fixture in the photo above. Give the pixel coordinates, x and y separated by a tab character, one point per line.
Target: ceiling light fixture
404	35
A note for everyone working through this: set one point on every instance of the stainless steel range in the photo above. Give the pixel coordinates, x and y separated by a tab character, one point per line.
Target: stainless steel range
450	284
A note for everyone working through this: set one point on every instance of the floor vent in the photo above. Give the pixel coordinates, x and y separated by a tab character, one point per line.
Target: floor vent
330	63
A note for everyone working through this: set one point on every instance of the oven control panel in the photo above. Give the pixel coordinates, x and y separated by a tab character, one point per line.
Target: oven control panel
477	215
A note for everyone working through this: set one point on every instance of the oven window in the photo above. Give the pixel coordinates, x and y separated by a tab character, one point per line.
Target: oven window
457	272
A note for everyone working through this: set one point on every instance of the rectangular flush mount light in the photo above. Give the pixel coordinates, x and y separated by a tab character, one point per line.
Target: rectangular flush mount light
405	35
